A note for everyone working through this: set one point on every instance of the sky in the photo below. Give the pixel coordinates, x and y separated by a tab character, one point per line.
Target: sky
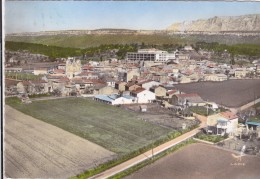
34	16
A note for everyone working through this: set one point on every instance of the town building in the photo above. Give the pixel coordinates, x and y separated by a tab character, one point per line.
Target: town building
114	99
142	95
150	55
240	73
191	99
215	77
222	123
73	67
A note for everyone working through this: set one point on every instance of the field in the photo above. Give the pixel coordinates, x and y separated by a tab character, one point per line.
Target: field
113	128
35	149
230	93
85	41
200	161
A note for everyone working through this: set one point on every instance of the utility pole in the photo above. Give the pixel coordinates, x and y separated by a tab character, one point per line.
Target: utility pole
207	108
152	143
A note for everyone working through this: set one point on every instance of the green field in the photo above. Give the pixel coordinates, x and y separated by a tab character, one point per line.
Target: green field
22	76
94	40
85	41
113	128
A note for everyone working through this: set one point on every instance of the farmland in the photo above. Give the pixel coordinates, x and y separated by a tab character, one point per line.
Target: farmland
201	161
35	149
115	129
230	93
94	40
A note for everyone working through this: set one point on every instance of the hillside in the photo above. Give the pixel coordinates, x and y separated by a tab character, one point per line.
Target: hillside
243	23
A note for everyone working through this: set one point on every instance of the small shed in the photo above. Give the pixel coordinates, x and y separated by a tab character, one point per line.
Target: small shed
143	108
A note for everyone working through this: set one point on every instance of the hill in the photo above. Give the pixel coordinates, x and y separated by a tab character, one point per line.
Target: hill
245	23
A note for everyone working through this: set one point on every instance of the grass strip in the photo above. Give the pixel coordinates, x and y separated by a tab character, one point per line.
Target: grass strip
39	95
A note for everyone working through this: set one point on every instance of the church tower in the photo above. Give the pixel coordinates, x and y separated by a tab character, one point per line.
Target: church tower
73	67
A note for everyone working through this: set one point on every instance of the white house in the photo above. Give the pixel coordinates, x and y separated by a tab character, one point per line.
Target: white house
228	124
142	95
115	99
222	123
148	84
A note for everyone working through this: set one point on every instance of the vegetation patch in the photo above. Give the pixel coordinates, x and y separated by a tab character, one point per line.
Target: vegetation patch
238	49
22	76
210	138
39	95
254	119
202	110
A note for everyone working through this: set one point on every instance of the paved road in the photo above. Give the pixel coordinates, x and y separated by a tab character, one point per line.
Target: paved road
123	166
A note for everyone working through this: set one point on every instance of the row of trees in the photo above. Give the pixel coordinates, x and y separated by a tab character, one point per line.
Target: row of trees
64	52
121	49
239	49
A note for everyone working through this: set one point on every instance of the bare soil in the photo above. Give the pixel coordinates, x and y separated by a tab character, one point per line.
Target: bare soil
230	93
161	116
199	161
33	148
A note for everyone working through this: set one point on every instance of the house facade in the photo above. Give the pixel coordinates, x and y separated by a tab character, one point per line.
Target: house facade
191	99
159	91
142	95
222	123
120	86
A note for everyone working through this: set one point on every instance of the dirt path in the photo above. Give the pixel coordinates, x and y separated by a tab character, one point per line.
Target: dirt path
148	154
35	149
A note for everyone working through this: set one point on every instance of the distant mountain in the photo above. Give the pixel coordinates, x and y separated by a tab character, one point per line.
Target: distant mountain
245	23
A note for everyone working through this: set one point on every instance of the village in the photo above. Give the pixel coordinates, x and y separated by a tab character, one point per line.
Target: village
145	77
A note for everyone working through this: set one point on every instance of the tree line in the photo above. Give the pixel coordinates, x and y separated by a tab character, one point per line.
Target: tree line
64	52
238	49
121	49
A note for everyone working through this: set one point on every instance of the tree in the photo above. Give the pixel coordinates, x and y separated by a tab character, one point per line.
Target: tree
56	92
232	62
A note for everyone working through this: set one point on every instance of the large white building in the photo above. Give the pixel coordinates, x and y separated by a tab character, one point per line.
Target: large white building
150	55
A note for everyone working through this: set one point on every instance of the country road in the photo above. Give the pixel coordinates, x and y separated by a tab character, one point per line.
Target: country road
123	166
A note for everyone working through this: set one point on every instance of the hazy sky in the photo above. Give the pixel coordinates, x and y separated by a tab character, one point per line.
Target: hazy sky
29	16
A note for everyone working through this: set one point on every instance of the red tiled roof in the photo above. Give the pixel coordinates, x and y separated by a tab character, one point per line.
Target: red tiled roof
64	79
138	90
143	82
228	115
172	92
38	81
130	84
54	77
97	81
59	71
87	67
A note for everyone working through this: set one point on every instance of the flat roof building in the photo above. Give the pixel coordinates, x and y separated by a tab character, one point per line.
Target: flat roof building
150	55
